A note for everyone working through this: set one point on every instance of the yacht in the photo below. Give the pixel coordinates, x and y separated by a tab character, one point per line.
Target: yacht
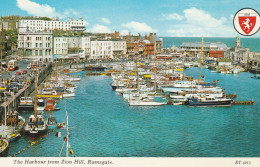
208	101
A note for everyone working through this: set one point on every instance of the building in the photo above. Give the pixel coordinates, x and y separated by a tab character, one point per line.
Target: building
36	25
149	48
238	54
224	62
35	45
158	42
118	48
107	49
133	44
255	60
9	22
71	47
207	46
216	54
5	46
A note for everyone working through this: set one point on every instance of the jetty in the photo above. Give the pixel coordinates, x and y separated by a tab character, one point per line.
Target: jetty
243	102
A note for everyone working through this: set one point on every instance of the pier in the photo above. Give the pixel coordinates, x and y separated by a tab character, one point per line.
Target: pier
243	102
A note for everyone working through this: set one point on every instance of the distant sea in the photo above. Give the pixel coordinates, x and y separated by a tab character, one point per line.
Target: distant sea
252	43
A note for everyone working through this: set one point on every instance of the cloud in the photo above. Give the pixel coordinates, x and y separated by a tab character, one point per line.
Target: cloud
105	20
172	16
100	29
36	9
138	27
124	32
231	17
197	23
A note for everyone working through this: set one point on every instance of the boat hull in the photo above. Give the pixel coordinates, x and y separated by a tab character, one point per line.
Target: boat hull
146	103
35	134
209	103
25	107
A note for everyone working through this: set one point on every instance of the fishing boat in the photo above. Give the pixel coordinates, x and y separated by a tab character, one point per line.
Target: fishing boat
14	119
209	101
51	105
51	122
4	146
36	126
26	103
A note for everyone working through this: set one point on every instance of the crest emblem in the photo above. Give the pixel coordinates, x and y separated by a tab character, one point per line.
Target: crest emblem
246	21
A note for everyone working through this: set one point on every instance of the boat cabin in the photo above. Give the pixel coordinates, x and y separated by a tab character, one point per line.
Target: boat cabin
26	100
50	105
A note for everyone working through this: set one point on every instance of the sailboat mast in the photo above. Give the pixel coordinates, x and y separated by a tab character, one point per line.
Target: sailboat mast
200	59
67	136
35	97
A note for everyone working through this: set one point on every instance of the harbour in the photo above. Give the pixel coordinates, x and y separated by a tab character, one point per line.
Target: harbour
69	91
96	105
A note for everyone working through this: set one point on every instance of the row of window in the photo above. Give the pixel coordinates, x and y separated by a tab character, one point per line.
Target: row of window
54	22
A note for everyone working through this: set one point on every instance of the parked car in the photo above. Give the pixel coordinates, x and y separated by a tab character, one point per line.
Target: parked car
24	72
18	73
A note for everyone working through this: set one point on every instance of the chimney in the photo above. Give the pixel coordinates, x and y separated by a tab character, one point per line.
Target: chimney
145	37
150	37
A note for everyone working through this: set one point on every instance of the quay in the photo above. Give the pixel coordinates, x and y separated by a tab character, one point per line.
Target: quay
26	90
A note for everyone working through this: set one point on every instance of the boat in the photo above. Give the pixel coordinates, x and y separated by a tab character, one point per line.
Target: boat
213	71
184	84
40	105
256	77
208	101
177	103
26	103
14	119
51	105
4	146
36	126
51	122
145	102
14	137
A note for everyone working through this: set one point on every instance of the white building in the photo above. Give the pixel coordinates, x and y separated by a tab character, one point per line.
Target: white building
71	47
35	45
107	49
35	25
238	54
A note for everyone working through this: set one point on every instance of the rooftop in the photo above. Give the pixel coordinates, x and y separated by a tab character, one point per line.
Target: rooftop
205	44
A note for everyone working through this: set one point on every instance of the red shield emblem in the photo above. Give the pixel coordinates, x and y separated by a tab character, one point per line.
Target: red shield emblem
247	23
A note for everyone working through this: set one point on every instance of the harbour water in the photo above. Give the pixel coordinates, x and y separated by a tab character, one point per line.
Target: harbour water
104	125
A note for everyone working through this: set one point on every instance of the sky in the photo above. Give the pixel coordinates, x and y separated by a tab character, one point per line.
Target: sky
172	18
